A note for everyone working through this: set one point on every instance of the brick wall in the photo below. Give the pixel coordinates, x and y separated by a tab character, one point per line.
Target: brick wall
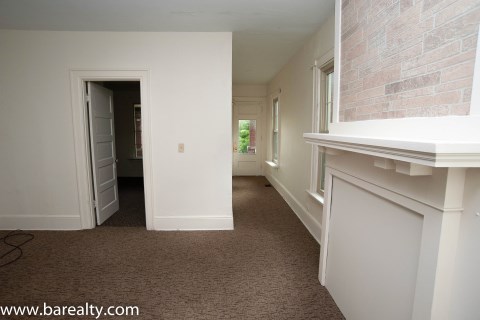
407	58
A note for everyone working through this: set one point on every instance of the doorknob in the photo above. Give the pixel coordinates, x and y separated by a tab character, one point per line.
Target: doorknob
116	160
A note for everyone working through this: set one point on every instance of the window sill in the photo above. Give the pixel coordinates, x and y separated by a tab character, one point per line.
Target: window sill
316	196
272	164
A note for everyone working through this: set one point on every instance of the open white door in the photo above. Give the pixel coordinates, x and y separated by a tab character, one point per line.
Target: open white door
102	145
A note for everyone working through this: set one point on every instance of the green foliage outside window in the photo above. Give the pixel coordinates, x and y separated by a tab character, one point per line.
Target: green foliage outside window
244	136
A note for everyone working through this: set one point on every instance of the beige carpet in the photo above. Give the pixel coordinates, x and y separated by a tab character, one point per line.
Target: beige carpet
266	269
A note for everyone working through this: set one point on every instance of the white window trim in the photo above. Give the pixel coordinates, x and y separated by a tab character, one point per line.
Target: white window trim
135	156
475	100
319	64
272	160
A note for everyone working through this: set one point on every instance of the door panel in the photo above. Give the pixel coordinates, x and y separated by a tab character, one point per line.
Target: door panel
102	141
247	138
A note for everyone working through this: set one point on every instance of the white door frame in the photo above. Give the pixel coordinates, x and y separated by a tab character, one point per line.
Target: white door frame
261	120
78	79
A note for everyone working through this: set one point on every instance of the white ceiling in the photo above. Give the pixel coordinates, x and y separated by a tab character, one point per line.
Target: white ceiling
266	33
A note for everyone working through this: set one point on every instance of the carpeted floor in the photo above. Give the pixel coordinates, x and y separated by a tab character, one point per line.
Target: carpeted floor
265	269
132	204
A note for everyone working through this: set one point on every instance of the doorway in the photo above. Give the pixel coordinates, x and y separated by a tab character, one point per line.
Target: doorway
125	205
247	135
79	82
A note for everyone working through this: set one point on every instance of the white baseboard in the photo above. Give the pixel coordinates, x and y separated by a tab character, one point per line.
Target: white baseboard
192	223
312	225
47	222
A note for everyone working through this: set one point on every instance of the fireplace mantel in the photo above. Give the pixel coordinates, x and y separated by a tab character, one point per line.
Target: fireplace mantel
420	178
434	153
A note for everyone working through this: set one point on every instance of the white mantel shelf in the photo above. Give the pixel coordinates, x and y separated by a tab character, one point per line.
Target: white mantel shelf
433	153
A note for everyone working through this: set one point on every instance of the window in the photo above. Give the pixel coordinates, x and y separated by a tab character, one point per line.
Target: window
137	131
275	132
322	116
247	130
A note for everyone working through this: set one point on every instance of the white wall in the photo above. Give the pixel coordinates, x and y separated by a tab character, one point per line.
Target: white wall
292	177
37	161
253	91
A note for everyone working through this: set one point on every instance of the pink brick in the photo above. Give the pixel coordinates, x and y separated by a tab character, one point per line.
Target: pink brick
432	41
461	71
461	109
350	114
433	6
425	91
380	6
416	102
353	40
356	51
437	111
467	95
462	27
369	93
369	109
413	83
404	55
457	8
450	97
409	73
453	85
433	56
468	56
350	75
344	98
469	43
408	18
386	75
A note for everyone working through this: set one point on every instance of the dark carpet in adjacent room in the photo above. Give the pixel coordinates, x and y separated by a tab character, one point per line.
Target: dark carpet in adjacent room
132	204
266	268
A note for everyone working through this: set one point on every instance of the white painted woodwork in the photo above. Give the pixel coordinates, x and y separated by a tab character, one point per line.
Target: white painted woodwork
434	153
408	206
412	169
248	109
102	148
383	163
381	251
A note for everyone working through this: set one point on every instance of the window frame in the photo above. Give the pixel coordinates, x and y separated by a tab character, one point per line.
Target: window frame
135	131
321	117
275	129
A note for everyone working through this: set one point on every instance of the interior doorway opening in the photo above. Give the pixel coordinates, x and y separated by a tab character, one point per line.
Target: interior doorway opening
114	112
78	80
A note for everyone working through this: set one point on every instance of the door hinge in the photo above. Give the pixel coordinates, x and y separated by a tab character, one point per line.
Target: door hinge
94	203
87	98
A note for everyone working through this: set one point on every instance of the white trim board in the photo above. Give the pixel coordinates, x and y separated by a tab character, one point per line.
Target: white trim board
43	222
193	223
312	225
435	153
337	59
82	159
475	99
